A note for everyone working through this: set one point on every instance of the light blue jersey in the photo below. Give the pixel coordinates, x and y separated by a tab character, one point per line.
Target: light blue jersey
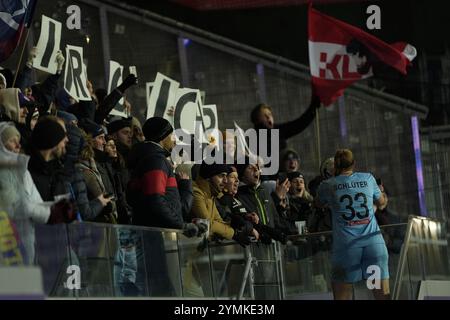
350	199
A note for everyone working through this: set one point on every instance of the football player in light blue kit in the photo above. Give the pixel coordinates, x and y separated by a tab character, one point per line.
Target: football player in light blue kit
359	250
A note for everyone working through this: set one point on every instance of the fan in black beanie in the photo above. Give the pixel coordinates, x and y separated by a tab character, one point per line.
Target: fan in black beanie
159	130
156	129
48	146
47	134
118	124
210	170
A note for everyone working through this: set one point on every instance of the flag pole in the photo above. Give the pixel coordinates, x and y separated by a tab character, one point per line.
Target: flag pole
317	122
317	125
28	20
20	58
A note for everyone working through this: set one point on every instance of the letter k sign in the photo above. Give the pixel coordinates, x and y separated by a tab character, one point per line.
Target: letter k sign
332	66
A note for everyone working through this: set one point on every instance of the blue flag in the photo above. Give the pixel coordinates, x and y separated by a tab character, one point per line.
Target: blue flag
14	16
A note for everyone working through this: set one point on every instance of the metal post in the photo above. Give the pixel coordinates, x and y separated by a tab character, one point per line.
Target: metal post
280	264
317	126
261	83
441	198
402	261
247	271
182	43
75	293
211	269
252	279
30	45
180	263
146	273
105	40
342	120
21	57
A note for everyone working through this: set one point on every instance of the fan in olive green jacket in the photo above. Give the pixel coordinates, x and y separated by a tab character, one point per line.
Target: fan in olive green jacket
204	207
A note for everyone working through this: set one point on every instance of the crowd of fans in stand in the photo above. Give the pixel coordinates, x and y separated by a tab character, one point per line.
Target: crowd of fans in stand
116	171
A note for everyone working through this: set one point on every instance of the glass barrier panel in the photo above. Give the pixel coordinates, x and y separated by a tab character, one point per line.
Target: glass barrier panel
227	268
157	256
307	264
85	260
306	267
93	246
425	256
56	260
125	261
267	282
195	269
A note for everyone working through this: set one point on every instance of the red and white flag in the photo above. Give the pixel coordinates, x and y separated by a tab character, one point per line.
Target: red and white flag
340	54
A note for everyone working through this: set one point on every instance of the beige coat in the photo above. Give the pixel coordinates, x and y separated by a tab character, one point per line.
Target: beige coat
204	207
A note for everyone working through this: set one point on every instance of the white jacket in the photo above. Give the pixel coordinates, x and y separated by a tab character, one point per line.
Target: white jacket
20	198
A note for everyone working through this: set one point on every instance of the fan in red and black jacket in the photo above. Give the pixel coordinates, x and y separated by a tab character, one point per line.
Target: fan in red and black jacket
153	191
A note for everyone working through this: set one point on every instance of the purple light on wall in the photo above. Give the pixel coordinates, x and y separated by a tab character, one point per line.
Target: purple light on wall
342	120
261	82
260	69
419	168
186	41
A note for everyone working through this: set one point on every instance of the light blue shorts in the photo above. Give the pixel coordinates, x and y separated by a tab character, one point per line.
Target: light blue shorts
353	265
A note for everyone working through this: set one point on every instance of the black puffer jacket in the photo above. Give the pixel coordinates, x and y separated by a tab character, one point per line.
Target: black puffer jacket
153	191
73	148
187	198
48	177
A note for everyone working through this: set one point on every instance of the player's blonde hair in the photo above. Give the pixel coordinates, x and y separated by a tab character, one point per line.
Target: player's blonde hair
343	160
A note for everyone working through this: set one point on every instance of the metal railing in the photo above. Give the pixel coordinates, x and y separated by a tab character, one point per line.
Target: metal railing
116	261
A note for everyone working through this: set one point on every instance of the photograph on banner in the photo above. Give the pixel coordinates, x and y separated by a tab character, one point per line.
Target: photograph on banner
75	76
115	79
163	96
48	45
